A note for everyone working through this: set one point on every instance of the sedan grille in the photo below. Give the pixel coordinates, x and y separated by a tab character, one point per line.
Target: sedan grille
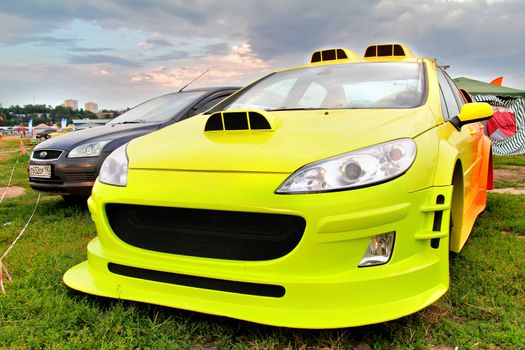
206	233
46	154
80	177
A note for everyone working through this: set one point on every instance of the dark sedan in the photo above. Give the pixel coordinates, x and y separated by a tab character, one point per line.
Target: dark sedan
69	164
43	134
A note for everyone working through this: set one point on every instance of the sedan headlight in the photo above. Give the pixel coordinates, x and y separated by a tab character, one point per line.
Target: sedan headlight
358	168
114	170
90	149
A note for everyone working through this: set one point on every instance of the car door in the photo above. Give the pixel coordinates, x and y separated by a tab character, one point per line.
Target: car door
467	140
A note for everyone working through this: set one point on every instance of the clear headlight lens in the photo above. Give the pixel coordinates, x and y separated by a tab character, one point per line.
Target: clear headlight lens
90	149
114	170
358	168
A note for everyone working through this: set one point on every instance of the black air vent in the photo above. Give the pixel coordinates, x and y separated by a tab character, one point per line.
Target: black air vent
206	233
265	290
258	121
398	50
237	121
371	51
384	50
214	123
328	55
316	57
341	54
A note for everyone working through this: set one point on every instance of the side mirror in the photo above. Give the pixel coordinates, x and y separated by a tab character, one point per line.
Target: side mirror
472	112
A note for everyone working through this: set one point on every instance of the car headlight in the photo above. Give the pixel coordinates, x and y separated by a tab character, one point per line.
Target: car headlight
358	168
90	149
114	170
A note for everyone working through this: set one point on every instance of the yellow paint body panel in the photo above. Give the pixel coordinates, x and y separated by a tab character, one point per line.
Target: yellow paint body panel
182	166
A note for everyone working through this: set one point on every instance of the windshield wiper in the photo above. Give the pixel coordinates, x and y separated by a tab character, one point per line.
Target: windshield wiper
293	109
133	121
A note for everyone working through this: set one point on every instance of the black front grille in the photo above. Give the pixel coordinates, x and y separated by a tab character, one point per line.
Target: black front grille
46	181
266	290
46	154
206	233
80	177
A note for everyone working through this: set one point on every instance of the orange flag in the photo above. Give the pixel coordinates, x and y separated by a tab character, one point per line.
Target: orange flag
498	81
22	147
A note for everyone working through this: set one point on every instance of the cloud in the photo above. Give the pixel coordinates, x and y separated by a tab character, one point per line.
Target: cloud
217	49
148	48
150	43
238	65
173	55
92	59
90	49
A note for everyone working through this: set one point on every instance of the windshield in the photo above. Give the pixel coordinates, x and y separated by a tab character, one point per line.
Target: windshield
159	109
359	85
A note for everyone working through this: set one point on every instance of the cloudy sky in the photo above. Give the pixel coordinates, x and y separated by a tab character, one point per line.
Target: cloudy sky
121	52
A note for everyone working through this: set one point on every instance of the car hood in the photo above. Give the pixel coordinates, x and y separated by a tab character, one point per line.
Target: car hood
70	140
301	137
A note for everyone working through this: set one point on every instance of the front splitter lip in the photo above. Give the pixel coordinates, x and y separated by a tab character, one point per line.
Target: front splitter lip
81	277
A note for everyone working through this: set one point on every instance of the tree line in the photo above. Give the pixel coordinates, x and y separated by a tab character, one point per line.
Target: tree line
41	113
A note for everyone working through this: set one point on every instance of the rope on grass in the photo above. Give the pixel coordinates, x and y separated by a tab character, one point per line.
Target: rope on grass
10	178
3	269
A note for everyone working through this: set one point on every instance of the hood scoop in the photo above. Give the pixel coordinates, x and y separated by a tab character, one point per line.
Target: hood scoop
241	120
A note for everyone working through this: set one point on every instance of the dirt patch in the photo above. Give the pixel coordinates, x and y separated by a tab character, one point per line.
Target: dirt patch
5	154
12	191
508	190
513	173
10	137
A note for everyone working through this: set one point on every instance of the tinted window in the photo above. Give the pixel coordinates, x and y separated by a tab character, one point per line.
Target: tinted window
204	106
160	109
451	105
455	90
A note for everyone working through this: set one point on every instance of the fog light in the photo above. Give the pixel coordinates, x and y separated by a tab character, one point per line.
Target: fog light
379	250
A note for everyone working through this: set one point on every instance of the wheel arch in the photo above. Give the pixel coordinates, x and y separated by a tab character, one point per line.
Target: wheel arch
449	171
456	208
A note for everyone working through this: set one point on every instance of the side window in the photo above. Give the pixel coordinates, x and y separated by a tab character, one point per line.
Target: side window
205	105
459	96
451	108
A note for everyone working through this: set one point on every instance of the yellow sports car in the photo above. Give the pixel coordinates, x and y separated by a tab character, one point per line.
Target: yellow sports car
327	195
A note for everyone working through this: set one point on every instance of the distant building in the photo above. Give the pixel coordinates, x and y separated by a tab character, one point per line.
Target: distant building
91	107
0	104
73	104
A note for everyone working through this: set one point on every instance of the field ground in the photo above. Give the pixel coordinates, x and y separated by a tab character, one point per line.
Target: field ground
484	308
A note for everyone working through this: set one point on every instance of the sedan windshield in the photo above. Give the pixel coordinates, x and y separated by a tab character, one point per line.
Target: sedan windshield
159	109
359	85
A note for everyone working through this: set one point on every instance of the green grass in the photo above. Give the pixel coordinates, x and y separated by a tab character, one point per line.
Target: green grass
483	310
502	161
509	184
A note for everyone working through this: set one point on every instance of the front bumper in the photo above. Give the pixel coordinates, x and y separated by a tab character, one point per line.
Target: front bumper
324	287
69	176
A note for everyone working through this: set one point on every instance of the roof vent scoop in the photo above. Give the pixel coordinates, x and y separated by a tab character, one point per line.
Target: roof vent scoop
241	120
388	50
333	55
